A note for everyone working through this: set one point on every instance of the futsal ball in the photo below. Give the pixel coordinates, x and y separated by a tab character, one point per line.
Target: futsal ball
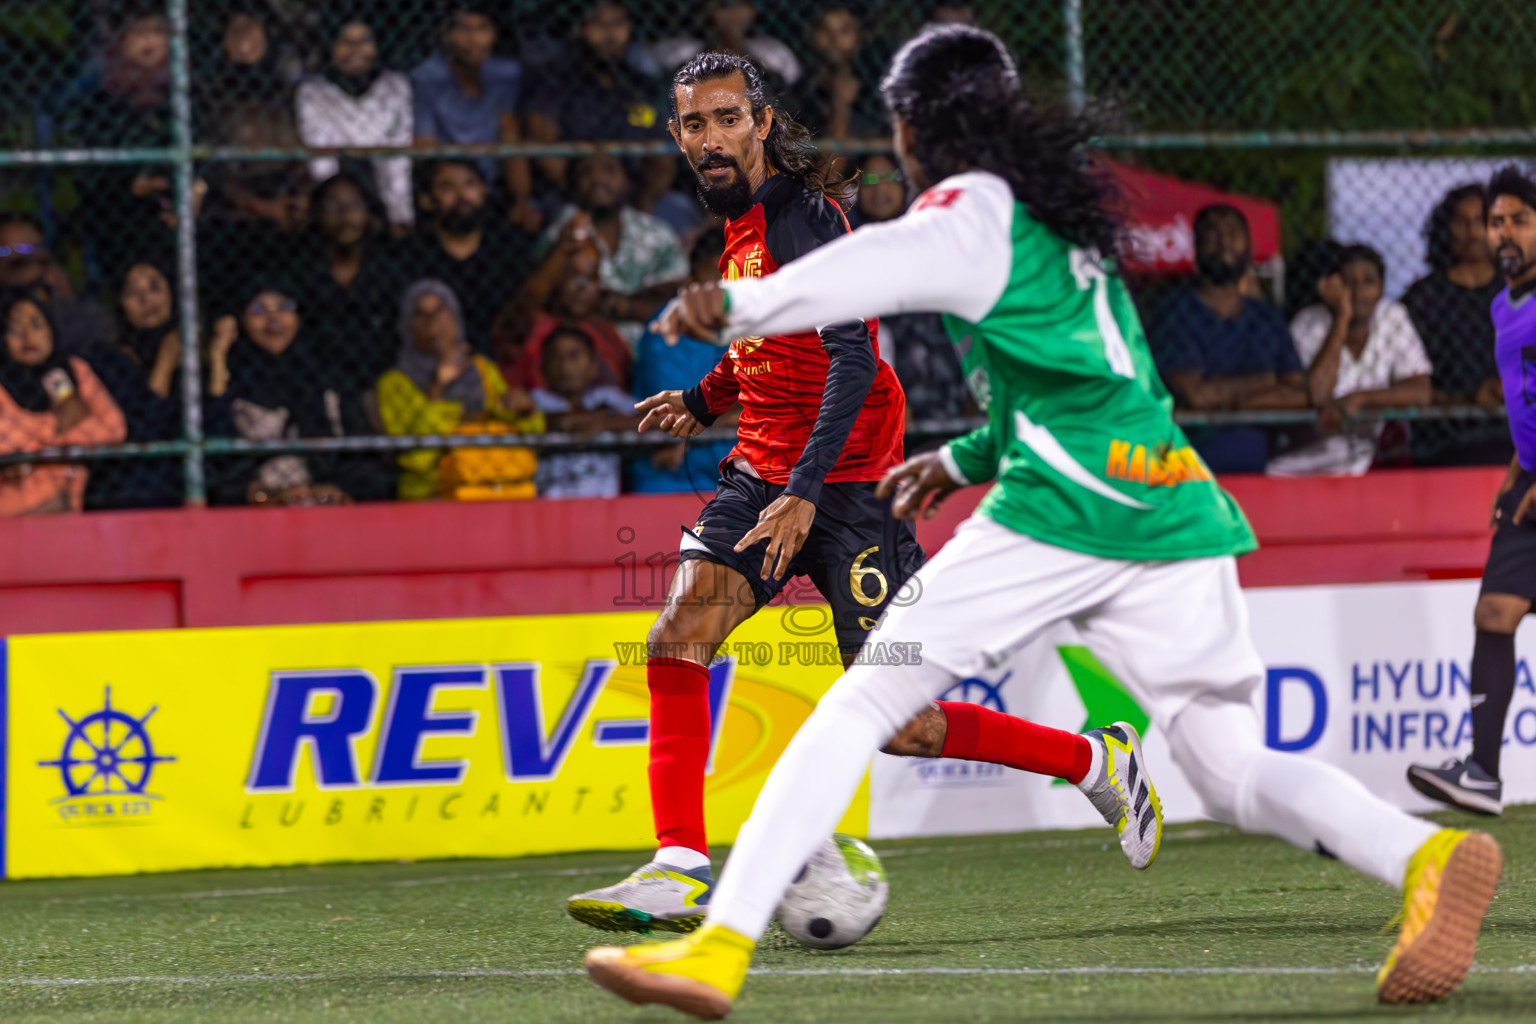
838	897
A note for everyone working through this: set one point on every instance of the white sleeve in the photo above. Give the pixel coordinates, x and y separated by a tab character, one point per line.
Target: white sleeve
314	122
393	177
399	128
1408	356
548	401
611	398
1309	329
323	168
952	253
314	116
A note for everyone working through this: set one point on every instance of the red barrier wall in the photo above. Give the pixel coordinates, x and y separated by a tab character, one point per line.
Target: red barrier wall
223	567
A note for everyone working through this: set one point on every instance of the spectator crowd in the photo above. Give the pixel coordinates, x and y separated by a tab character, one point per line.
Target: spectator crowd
1346	351
426	295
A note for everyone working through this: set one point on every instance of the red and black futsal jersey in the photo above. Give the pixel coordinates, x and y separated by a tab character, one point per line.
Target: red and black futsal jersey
817	407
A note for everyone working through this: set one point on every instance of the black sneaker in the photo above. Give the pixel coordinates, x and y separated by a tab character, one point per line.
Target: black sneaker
1461	784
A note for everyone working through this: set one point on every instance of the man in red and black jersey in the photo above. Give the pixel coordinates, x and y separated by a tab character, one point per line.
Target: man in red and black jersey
815	407
821	424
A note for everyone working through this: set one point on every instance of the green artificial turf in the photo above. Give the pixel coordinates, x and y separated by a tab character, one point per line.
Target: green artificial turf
468	941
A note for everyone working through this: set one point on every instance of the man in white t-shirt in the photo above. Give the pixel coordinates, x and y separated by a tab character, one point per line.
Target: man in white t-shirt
1360	353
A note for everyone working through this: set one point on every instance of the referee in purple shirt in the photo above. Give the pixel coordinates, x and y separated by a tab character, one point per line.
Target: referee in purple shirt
1509	578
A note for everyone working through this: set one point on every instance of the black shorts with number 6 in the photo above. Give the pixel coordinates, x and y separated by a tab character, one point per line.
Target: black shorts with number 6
844	555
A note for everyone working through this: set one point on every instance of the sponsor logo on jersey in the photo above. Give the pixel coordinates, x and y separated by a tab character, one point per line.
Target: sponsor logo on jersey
751	266
1157	466
937	197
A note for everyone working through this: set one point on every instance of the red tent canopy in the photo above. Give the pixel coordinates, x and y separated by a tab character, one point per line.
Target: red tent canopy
1159	217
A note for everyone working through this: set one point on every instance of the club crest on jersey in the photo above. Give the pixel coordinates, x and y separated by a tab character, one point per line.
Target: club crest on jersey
751	266
745	346
937	197
981	387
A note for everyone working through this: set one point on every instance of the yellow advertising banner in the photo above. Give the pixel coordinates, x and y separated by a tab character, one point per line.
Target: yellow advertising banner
160	751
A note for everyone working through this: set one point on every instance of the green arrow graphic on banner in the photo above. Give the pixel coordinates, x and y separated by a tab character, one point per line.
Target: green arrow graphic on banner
1105	697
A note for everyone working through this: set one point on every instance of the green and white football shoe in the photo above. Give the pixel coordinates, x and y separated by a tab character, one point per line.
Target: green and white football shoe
1118	785
656	898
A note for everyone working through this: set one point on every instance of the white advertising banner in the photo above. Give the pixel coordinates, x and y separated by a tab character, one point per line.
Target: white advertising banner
1369	677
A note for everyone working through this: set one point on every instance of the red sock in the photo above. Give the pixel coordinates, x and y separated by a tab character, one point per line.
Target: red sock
679	750
975	733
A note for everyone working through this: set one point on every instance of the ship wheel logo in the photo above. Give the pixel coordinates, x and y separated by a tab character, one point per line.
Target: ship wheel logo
976	690
107	753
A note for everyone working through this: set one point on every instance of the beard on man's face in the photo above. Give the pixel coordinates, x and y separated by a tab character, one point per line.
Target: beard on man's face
730	199
1512	260
1219	269
462	219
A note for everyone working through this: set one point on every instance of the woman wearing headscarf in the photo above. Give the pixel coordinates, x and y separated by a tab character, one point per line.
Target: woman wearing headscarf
142	372
241	62
149	337
356	101
267	380
441	386
123	99
47	399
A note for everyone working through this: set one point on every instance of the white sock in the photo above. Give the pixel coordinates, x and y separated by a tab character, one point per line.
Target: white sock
1319	807
1095	773
812	785
1308	803
681	858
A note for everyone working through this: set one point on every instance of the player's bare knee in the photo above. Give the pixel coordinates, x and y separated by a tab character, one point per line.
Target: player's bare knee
1500	613
921	737
695	621
680	631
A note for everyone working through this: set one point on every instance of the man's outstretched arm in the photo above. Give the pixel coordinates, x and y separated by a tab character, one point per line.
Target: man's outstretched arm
952	253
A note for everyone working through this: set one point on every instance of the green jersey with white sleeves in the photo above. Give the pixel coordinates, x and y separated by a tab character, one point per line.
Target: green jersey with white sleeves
1080	434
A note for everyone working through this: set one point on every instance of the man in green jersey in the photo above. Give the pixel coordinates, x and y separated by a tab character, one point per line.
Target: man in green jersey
1101	515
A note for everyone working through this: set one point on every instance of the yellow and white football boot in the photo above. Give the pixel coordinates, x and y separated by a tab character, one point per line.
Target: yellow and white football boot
654	898
700	974
1449	884
1118	785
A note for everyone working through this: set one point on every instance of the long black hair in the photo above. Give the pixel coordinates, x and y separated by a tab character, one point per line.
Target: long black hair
788	146
957	88
25	383
1437	230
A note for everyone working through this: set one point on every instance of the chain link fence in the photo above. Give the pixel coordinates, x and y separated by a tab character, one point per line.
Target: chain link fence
238	238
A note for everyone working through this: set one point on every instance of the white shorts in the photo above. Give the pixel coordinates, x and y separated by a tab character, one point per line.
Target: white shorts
1169	631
